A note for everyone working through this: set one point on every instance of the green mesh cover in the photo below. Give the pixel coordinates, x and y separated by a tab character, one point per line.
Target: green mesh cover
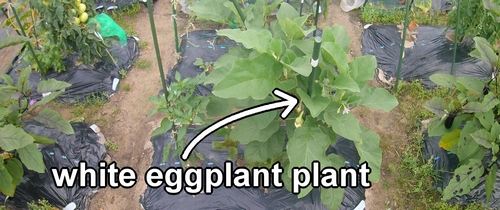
108	28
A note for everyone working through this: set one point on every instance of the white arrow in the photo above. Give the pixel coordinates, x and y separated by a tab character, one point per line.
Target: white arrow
290	102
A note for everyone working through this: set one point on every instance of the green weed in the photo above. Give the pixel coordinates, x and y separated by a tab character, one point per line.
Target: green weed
123	73
111	146
143	45
126	87
370	14
40	205
143	64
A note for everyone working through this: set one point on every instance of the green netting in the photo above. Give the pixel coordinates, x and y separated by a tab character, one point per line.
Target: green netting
108	28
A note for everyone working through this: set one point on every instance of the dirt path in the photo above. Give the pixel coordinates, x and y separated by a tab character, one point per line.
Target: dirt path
130	128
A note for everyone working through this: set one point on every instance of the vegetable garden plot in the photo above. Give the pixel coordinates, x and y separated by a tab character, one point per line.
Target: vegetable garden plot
101	80
85	145
307	7
240	198
432	53
432	5
445	163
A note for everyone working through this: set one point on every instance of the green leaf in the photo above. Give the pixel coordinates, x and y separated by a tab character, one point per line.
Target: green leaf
257	152
51	85
467	147
345	125
490	101
315	105
484	51
205	10
332	197
224	64
450	140
363	69
465	178
165	126
287	11
23	83
6	185
337	34
473	85
49	98
291	29
370	152
32	158
250	38
333	54
304	46
436	105
308	144
254	78
15	168
345	82
7	79
53	119
41	139
437	128
276	46
166	152
378	98
12	40
12	138
483	138
256	128
495	130
490	181
444	80
301	65
486	118
473	107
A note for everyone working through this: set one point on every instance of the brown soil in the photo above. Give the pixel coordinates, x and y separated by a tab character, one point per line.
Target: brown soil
124	120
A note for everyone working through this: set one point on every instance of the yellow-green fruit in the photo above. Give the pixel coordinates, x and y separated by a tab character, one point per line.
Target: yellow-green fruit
77	20
81	8
84	17
73	11
78	2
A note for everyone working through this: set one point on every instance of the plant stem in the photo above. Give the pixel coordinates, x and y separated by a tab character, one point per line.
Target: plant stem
157	49
316	18
238	8
456	40
30	48
176	38
403	39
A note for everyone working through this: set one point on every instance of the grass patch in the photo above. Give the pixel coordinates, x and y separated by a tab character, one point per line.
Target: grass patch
370	14
111	146
126	18
143	45
40	205
126	87
143	64
88	108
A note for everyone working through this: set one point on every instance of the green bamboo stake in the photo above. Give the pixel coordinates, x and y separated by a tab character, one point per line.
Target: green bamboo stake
30	48
314	64
301	5
157	49
456	40
238	8
400	64
176	38
316	15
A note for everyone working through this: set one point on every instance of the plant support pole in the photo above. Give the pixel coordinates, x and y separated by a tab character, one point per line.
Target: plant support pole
30	48
456	40
238	8
157	49
403	39
301	5
316	14
314	64
174	19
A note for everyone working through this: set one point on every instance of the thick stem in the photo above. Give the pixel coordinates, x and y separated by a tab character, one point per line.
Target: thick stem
403	39
316	17
157	49
314	72
238	8
457	33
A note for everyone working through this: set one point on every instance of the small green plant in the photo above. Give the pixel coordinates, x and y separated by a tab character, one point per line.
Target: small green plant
143	64
206	66
143	45
370	14
123	73
469	126
126	87
41	205
183	108
111	145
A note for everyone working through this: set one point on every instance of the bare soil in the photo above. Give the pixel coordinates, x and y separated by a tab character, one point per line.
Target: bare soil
124	119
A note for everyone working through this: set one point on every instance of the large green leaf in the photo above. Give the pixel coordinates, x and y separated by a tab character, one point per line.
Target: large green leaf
483	138
53	119
333	54
257	152
287	11
345	125
12	40
291	29
437	128
51	85
212	10
15	168
308	144
276	47
490	181
165	126
363	69
6	185
473	85
370	152
484	51
250	38
12	137
337	34
444	80
344	82
490	101
224	64
48	98
332	197
465	178
316	104
301	65
256	128
41	139
473	107
32	158
436	105
378	98
467	147
254	78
